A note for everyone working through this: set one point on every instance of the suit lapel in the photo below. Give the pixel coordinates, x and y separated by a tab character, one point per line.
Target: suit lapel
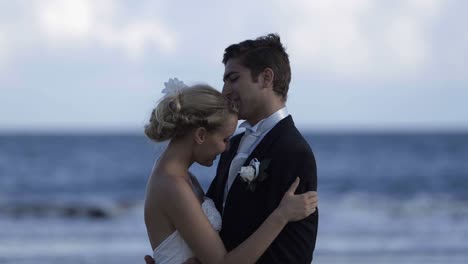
263	148
264	145
223	169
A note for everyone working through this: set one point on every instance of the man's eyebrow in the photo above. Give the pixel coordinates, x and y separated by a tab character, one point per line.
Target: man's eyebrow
227	75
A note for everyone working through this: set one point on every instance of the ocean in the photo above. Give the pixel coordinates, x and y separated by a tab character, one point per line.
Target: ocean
383	198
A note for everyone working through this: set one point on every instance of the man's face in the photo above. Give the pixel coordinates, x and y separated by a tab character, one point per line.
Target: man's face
239	87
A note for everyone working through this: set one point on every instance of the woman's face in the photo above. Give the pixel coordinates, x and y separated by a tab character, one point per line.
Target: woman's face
216	142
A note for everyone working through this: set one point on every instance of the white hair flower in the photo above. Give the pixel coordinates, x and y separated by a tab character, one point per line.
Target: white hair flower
173	86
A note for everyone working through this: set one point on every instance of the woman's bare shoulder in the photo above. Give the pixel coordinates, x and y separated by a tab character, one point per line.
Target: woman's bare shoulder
167	185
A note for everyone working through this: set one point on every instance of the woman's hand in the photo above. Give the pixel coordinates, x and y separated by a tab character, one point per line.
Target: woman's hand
297	207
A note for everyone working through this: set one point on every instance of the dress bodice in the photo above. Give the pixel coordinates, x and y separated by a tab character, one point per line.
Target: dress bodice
174	250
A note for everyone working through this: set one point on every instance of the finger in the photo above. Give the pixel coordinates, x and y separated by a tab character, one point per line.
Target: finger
310	201
309	209
312	196
308	197
293	186
313	205
313	201
312	210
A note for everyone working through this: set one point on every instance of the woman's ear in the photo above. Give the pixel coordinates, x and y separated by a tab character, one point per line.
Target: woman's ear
199	135
268	76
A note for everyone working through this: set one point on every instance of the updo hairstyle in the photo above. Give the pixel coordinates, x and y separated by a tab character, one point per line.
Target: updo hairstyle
188	109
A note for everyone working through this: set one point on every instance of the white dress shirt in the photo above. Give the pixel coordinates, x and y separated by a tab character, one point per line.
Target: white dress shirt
250	140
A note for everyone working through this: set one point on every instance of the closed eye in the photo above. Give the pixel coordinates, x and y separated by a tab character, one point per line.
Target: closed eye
231	77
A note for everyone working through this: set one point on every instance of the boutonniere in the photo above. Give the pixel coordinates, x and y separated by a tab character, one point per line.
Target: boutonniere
254	172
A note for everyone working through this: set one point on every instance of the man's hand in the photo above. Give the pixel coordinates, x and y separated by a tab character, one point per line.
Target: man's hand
150	260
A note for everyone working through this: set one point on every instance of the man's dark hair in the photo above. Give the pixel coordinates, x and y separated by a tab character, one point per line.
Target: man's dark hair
261	53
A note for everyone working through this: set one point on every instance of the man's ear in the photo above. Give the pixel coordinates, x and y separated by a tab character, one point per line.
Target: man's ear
268	75
199	135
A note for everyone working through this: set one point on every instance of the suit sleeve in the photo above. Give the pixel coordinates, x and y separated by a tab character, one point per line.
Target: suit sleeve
296	242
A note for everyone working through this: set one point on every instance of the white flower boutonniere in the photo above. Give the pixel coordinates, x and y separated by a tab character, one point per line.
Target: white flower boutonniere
254	172
250	173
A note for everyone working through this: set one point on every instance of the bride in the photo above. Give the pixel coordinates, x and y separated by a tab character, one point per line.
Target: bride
181	222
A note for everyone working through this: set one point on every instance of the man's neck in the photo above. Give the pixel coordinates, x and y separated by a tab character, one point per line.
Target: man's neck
267	111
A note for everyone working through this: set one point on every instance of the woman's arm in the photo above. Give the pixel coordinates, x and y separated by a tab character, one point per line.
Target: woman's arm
185	212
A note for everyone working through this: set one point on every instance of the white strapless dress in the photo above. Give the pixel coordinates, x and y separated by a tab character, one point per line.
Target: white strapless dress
174	250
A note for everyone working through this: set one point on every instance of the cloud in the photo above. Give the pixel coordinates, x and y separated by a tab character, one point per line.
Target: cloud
327	31
404	42
67	19
136	37
358	38
424	8
362	37
68	57
105	23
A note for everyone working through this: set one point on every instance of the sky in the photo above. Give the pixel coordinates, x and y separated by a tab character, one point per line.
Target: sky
87	65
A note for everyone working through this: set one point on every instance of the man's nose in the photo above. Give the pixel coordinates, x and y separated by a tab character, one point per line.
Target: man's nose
226	90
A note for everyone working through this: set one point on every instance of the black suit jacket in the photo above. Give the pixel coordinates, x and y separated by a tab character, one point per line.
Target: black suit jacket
290	156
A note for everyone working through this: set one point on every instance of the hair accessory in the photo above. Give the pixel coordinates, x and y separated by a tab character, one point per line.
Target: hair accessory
173	86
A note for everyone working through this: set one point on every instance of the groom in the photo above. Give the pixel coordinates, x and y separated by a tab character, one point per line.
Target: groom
256	77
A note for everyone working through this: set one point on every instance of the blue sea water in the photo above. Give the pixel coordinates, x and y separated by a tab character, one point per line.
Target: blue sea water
384	198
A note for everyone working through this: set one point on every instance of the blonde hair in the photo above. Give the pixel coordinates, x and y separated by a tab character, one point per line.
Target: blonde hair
196	106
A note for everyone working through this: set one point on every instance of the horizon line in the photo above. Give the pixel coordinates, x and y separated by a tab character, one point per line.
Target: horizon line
311	130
